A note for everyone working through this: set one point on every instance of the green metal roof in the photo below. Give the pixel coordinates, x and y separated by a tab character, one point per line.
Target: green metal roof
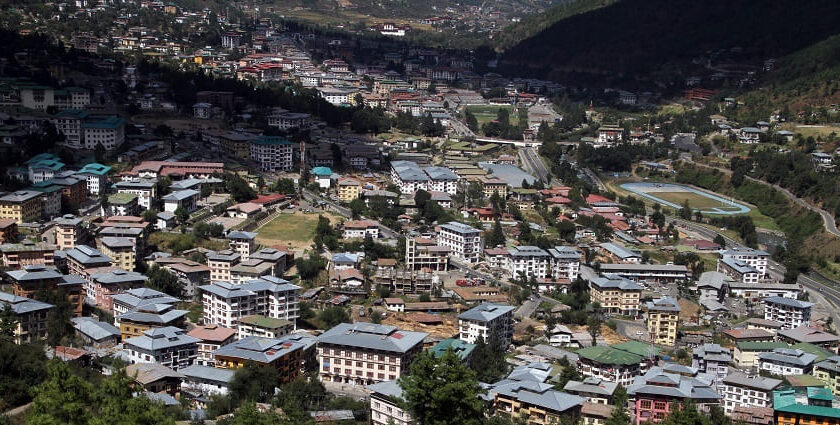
95	168
460	348
122	198
785	401
265	322
609	355
271	140
804	381
110	122
760	345
637	348
820	352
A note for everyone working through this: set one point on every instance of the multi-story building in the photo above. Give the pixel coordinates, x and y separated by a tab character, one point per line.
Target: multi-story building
8	230
663	319
145	189
288	120
487	321
225	303
619	253
34	281
167	346
134	299
789	312
493	185
366	353
752	257
186	199
27	253
660	273
107	284
95	176
528	261
267	327
740	390
828	371
565	262
610	364
273	153
406	281
108	132
249	270
120	251
713	360
360	229
220	263
50	199
288	355
82	259
149	316
595	390
786	361
68	231
349	189
464	241
615	294
189	273
385	404
23	206
538	403
424	253
122	204
796	407
30	317
211	338
739	270
206	380
441	179
657	393
243	243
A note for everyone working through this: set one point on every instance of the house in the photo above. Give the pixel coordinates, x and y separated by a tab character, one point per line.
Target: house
386	404
244	210
31	317
155	378
713	285
746	353
186	199
360	229
95	176
738	270
211	338
790	313
206	380
595	390
485	322
460	348
749	135
619	253
263	326
464	241
189	273
95	333
134	299
104	285
136	322
167	346
220	263
713	360
121	204
287	355
145	189
615	294
809	335
609	134
658	392
786	361
165	220
663	318
388	351
740	390
565	262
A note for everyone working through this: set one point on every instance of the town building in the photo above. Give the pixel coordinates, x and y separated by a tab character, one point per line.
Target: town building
713	360
206	380
31	316
144	188
828	371
740	390
263	326
95	176
657	393
463	240
616	295
134	299
595	390
243	243
810	407
651	273
220	263
186	199
536	401
386	404
349	190
23	206
790	313
485	322
786	361
68	231
167	346
753	257
211	338
95	333
272	153
360	229
663	319
27	253
35	280
565	262
106	284
366	353
423	253
120	251
225	303
527	262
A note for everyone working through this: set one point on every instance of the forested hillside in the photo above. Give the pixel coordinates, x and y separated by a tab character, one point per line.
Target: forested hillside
531	25
652	41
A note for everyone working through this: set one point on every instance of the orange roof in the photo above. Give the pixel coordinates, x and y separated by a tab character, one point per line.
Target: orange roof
267	199
213	333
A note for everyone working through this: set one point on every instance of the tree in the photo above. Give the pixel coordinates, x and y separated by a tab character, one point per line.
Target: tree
286	186
182	215
488	359
497	235
162	280
249	415
22	367
685	211
308	268
253	382
441	391
333	316
619	414
8	323
720	240
472	121
568	373
150	216
238	188
63	398
99	152
421	197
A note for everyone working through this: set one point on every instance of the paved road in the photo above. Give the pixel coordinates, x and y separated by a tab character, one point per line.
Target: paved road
531	160
595	179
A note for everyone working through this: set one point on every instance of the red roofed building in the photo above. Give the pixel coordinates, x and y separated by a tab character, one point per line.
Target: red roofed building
212	338
593	199
558	200
269	200
182	169
701	245
556	191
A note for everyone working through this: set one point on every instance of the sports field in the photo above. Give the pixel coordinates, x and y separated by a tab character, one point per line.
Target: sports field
675	195
296	230
486	113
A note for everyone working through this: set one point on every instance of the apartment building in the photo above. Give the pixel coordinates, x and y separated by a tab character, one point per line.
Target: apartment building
615	294
135	322
663	319
68	231
528	261
189	273
406	281
272	153
107	284
595	390
167	346
423	253
740	390
713	360
441	179
211	338
752	257
288	120
366	353
220	263
225	303
385	407
486	321
658	392
360	229
145	189
95	176
120	251
81	260
786	361
27	253
493	185
243	243
794	407
349	189
186	199
464	241
8	230
108	132
789	312
288	355
739	270
140	297
23	206
828	371
659	273
30	317
262	326
565	262
33	281
609	364
619	253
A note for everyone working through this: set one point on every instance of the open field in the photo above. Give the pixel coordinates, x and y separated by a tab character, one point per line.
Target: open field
811	130
487	113
674	196
295	230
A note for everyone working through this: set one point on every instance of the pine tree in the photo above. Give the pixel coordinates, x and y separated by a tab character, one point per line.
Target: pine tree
497	235
441	391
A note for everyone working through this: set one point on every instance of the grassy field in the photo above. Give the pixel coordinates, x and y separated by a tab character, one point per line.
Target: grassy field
811	130
296	230
694	200
487	113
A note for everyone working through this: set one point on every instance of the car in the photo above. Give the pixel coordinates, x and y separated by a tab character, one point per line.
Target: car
640	333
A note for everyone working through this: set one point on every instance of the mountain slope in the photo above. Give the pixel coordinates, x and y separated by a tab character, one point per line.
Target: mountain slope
635	40
534	24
